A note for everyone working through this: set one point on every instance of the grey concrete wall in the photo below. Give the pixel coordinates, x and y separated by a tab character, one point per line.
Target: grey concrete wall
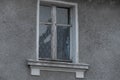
99	25
17	38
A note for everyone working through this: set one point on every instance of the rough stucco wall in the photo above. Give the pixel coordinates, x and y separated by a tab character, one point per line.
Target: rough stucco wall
99	23
17	38
100	39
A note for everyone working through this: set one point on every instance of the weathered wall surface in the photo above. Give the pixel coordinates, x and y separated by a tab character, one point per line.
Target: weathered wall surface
17	38
99	25
100	38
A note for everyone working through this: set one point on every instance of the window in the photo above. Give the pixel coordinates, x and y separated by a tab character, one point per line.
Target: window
54	33
57	32
57	39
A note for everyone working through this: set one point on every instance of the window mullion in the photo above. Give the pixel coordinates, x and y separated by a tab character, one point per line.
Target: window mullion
54	34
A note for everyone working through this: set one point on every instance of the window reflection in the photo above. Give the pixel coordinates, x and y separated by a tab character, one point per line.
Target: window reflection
45	14
45	41
63	43
63	15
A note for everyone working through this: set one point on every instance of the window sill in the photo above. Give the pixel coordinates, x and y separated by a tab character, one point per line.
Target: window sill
56	60
36	66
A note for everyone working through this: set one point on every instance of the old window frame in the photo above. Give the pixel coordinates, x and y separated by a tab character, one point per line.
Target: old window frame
74	45
54	26
36	66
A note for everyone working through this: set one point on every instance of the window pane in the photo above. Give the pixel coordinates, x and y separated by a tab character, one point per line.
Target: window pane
62	16
45	41
45	14
63	43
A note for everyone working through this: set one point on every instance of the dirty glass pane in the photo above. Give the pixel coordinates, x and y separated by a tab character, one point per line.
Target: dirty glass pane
63	43
45	41
63	16
45	14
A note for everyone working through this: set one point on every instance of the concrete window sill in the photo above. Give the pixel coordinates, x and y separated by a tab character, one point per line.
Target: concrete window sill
36	66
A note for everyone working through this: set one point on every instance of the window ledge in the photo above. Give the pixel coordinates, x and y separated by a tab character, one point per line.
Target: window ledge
37	66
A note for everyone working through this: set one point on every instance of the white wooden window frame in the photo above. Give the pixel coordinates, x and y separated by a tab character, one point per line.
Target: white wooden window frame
79	68
74	30
54	26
